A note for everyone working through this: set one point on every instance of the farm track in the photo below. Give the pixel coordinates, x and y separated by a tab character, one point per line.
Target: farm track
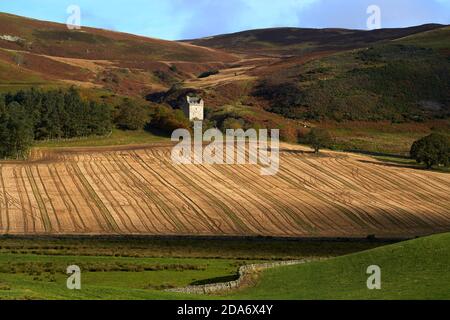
138	191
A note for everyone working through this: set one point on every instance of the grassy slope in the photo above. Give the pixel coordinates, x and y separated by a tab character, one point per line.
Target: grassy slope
416	269
35	268
104	284
382	137
117	138
13	78
411	163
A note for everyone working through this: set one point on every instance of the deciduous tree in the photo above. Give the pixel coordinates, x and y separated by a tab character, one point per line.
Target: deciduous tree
318	139
432	150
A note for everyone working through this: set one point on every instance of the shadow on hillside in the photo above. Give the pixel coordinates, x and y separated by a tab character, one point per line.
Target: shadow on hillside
386	163
376	154
394	164
290	151
156	132
215	280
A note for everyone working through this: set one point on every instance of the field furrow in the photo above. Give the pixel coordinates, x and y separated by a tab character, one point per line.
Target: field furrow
4	204
148	189
95	199
139	191
108	194
132	200
198	215
69	212
48	228
53	201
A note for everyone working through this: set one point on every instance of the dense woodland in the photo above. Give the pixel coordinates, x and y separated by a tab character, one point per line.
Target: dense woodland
27	116
31	115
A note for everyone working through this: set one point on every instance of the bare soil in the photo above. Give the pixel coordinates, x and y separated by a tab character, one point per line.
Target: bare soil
138	191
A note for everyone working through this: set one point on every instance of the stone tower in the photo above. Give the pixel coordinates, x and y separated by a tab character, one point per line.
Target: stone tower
194	108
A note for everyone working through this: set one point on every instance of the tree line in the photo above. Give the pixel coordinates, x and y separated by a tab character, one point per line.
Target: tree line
32	115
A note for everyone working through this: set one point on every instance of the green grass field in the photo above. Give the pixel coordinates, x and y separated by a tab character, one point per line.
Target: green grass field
417	269
410	163
397	143
117	137
382	137
43	277
139	268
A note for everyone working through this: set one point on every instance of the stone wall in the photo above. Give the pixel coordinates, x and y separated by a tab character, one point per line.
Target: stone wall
243	272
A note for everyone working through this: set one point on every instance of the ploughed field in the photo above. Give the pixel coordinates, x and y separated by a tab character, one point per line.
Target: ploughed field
139	191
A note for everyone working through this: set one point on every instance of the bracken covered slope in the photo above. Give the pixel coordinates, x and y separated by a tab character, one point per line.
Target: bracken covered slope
298	41
56	39
38	53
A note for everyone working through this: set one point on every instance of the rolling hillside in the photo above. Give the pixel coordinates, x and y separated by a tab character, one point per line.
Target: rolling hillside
314	74
416	269
39	52
298	41
394	76
110	183
48	38
405	79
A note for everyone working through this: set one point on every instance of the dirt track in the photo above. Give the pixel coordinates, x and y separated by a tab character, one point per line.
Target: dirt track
139	191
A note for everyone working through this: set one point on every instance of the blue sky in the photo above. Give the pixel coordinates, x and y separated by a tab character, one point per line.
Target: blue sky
184	19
